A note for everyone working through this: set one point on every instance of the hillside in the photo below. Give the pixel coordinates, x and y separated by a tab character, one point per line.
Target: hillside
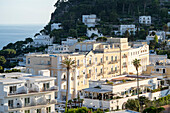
111	12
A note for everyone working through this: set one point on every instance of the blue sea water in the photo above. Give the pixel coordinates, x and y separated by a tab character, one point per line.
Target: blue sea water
13	33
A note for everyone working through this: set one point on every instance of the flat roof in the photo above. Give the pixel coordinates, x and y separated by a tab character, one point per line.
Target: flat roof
10	81
97	90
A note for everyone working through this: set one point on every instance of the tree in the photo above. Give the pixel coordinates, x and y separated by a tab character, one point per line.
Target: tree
132	104
101	39
127	34
165	28
2	60
154	110
156	39
137	64
68	63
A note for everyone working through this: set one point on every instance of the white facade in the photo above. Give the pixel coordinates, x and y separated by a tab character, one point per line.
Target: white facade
70	41
92	31
42	40
64	47
124	28
138	51
56	26
145	20
90	20
160	35
103	98
58	49
21	93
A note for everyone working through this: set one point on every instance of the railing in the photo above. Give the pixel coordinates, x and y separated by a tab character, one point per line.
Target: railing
88	65
113	62
101	63
100	74
30	104
33	90
80	65
112	72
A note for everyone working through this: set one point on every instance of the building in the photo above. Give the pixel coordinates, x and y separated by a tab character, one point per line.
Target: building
90	20
58	49
64	47
94	61
123	28
25	93
159	68
113	93
42	40
70	41
160	34
93	32
145	20
56	26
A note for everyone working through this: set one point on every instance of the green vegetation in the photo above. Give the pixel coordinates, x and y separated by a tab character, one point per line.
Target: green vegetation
85	110
111	12
13	70
145	103
153	110
159	89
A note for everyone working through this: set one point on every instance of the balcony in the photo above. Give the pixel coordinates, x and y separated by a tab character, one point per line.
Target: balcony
33	104
101	63
79	66
100	74
111	72
31	91
113	62
89	65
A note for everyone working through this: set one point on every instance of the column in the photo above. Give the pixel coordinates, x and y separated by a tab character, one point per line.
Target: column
59	85
69	86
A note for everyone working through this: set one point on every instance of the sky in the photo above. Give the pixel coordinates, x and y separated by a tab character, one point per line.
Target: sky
24	12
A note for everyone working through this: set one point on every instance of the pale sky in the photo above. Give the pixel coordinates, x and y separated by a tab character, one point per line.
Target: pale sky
26	11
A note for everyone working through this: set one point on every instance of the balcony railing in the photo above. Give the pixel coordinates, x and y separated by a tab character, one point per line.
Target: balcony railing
33	103
111	72
101	63
113	62
88	65
32	90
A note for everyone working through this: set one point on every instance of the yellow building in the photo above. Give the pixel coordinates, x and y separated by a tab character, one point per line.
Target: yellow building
94	61
160	69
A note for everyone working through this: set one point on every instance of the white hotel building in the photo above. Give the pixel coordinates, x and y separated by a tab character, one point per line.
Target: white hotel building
23	93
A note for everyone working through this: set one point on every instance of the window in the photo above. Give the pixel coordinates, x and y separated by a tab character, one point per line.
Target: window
27	111
12	89
90	72
38	110
46	86
101	60
111	58
112	69
96	59
115	68
10	103
48	109
101	70
115	58
77	62
157	70
89	61
106	57
28	60
27	101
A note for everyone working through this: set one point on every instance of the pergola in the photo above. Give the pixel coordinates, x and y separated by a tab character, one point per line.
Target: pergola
96	93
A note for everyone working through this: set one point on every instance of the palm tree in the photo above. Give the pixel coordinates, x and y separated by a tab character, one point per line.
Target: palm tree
137	64
68	63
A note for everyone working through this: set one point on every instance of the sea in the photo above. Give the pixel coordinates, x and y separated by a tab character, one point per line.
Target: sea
13	33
